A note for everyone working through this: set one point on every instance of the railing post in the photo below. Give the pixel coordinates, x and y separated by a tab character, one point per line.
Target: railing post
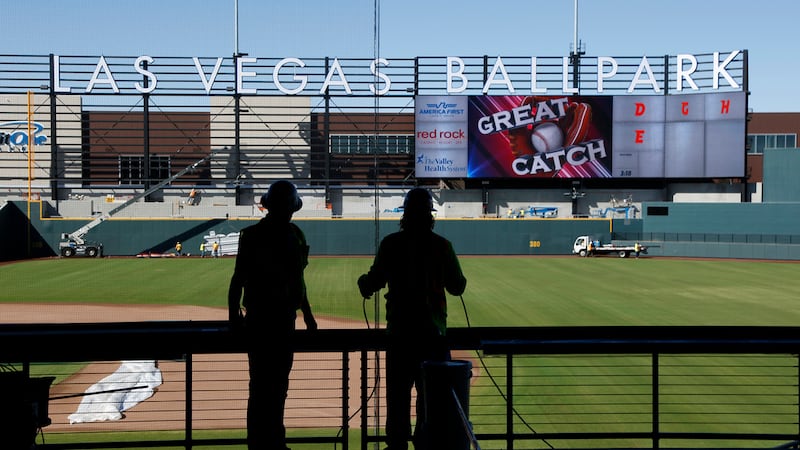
656	420
364	401
509	401
188	438
345	400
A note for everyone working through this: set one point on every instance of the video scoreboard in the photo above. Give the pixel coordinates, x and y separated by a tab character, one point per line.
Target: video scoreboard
629	136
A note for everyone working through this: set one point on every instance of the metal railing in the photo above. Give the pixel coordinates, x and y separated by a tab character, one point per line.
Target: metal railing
531	388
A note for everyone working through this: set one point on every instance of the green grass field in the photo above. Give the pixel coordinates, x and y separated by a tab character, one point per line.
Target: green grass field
501	291
520	291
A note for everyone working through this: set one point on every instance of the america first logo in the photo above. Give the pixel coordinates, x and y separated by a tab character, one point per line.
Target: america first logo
440	110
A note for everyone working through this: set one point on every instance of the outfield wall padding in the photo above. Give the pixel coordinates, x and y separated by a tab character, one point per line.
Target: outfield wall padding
721	218
128	236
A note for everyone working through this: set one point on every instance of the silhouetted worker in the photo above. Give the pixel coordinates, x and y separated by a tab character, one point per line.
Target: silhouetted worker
419	265
269	269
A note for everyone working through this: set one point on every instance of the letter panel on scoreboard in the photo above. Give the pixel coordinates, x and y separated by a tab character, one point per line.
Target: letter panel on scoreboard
638	132
684	154
684	145
726	120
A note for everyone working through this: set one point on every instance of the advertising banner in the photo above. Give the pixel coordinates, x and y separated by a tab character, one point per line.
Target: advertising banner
676	136
441	136
539	136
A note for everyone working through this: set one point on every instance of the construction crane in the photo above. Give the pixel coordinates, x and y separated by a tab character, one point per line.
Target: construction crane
74	243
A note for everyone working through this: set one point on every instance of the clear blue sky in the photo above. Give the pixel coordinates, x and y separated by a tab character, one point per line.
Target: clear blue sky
316	28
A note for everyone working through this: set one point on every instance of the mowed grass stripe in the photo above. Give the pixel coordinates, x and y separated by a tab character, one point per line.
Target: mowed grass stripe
501	291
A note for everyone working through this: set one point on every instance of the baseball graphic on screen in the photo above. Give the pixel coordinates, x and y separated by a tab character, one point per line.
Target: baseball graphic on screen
547	137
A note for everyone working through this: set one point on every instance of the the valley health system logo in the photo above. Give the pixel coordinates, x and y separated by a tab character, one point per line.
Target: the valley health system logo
441	136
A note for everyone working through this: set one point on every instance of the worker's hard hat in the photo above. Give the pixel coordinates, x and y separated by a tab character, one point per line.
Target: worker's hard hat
418	199
282	196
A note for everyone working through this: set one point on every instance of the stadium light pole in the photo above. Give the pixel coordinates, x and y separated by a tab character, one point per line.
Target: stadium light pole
236	27
30	149
576	52
237	168
575	26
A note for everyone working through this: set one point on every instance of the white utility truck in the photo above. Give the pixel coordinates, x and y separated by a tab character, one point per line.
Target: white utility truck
588	246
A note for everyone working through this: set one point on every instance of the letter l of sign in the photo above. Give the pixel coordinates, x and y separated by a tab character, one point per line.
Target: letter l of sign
57	76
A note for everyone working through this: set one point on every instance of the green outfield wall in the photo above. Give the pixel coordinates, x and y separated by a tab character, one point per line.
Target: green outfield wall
765	231
722	218
126	236
721	230
781	166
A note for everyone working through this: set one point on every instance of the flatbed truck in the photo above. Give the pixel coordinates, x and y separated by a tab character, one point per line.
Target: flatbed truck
587	246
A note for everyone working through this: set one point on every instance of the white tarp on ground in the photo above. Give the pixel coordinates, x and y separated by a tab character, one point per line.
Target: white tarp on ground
132	383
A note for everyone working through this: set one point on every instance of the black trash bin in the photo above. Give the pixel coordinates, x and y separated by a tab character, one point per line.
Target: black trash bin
25	409
445	387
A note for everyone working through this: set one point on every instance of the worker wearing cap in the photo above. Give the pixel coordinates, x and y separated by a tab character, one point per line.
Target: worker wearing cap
419	266
268	282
